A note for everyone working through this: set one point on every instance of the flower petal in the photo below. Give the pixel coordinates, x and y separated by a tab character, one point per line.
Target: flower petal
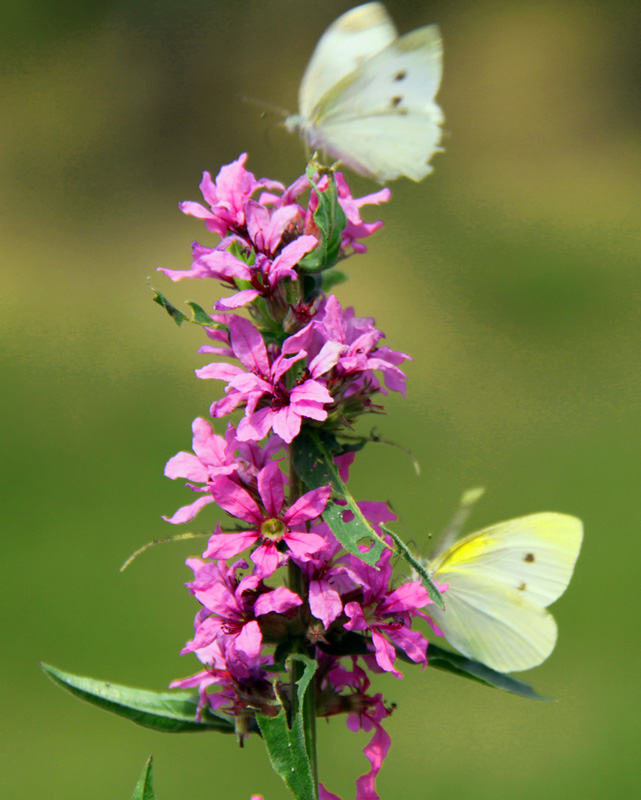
385	653
280	600
271	486
286	423
249	640
187	513
235	500
255	427
267	559
309	506
226	545
248	345
324	602
237	300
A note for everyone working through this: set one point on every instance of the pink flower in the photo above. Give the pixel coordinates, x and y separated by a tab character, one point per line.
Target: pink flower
231	606
270	403
214	456
209	262
325	578
227	196
356	340
266	226
243	684
385	613
376	749
367	713
261	227
271	523
356	228
264	274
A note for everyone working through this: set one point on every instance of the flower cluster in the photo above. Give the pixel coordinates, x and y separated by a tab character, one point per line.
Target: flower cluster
293	362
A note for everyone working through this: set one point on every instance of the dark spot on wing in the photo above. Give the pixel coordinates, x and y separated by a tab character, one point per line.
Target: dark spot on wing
529	558
396	101
400	75
522	587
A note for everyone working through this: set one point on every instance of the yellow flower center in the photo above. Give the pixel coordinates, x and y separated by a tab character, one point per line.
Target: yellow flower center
273	529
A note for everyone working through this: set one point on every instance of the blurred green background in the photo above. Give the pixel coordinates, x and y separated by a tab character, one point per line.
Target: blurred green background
511	275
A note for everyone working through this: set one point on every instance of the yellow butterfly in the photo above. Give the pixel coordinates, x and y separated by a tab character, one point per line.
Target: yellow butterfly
501	580
367	95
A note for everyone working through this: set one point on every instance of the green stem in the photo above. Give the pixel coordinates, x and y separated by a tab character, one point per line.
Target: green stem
297	584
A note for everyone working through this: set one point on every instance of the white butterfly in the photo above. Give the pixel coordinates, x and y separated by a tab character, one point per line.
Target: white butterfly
367	95
501	580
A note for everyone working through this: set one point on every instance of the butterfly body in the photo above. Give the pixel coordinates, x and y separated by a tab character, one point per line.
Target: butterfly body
367	95
500	582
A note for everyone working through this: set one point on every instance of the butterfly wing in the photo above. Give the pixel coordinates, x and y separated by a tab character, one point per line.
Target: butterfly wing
381	119
496	626
500	581
353	38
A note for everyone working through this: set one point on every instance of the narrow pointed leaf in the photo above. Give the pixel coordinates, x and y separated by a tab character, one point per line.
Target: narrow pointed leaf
286	746
144	788
439	658
177	316
169	712
201	316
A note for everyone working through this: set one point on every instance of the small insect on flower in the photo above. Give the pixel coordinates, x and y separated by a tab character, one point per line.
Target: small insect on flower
367	95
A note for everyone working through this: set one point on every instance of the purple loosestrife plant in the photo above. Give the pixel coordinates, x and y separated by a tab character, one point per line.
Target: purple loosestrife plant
290	632
299	603
298	600
299	370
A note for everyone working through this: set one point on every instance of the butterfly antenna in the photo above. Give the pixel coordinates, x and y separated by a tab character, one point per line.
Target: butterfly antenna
466	505
267	108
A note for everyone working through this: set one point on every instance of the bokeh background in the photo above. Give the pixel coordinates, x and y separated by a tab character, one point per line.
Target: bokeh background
511	275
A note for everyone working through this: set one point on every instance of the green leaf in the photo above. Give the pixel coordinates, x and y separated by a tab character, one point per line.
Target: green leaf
418	566
311	462
330	220
201	316
144	788
349	534
286	746
332	278
314	464
177	316
169	712
439	658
